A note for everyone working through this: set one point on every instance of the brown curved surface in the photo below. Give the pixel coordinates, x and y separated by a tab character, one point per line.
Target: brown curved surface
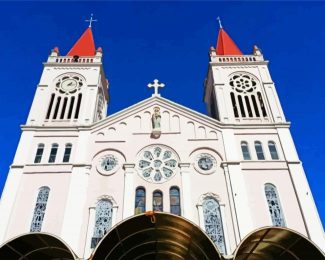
170	237
277	243
36	246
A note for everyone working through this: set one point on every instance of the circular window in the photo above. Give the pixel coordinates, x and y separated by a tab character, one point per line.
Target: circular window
69	84
205	163
108	164
243	83
157	164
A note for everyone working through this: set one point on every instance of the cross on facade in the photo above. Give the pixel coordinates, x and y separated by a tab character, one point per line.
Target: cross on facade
91	20
156	85
219	20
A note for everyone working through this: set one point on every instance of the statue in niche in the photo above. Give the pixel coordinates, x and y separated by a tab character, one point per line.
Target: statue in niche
156	118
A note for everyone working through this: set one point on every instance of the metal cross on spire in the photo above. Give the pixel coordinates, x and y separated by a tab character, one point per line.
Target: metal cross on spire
219	20
91	20
156	85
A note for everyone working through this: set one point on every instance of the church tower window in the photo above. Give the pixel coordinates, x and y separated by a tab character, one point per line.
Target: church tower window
53	153
76	115
213	223
103	220
39	210
50	106
67	152
259	150
245	151
157	201
140	200
175	202
39	153
275	208
273	151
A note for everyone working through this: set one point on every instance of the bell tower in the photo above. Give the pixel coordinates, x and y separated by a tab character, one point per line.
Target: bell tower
73	89
238	87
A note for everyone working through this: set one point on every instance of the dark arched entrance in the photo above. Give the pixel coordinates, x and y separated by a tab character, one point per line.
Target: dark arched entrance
158	236
36	246
279	243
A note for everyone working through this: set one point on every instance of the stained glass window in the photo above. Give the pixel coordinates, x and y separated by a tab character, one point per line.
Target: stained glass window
39	153
53	153
273	151
245	151
274	205
103	220
39	210
157	201
259	151
67	152
175	203
213	223
140	201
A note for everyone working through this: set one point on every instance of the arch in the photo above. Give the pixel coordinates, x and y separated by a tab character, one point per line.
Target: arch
140	200
40	208
164	236
245	150
277	243
36	246
274	205
273	151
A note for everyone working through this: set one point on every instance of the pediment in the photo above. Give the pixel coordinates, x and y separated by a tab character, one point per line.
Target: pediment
175	119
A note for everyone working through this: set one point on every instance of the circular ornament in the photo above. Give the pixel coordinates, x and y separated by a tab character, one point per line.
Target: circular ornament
69	84
157	164
205	163
107	165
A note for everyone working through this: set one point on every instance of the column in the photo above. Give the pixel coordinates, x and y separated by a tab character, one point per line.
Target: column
90	232
225	229
186	190
129	190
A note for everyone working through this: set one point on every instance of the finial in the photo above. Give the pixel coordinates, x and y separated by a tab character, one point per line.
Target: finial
91	20
156	85
219	20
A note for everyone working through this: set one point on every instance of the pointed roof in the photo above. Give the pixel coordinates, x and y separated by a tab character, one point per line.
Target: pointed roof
85	46
225	45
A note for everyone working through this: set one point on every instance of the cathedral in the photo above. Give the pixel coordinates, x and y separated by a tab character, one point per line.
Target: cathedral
157	180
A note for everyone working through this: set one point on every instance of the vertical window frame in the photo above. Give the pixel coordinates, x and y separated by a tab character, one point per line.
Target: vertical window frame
39	153
67	153
40	209
139	209
53	153
274	154
246	154
259	154
155	195
175	208
280	221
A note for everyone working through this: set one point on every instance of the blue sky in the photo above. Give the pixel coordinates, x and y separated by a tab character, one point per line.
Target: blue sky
170	41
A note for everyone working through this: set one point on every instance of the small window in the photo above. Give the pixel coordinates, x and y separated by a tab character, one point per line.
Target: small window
259	151
67	153
39	153
273	151
39	210
140	201
274	204
157	201
175	202
245	151
53	153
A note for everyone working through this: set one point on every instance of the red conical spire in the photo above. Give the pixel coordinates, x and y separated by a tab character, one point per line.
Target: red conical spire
85	46
225	45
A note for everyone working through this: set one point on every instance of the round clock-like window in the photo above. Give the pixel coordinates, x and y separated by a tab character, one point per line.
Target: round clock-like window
69	84
157	164
107	164
205	163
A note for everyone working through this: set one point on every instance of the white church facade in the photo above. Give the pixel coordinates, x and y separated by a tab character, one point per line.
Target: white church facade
157	179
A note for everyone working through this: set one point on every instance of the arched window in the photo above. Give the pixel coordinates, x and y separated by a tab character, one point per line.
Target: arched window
157	201
259	151
67	152
39	210
213	223
245	151
53	153
103	220
140	201
273	151
39	153
275	208
175	202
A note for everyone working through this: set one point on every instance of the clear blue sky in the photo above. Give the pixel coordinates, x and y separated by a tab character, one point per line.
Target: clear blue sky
170	41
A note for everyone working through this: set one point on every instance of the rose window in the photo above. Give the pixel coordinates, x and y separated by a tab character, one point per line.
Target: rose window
243	83
157	164
69	84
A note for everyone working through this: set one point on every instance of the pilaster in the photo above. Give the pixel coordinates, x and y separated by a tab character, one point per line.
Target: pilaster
186	190
129	190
